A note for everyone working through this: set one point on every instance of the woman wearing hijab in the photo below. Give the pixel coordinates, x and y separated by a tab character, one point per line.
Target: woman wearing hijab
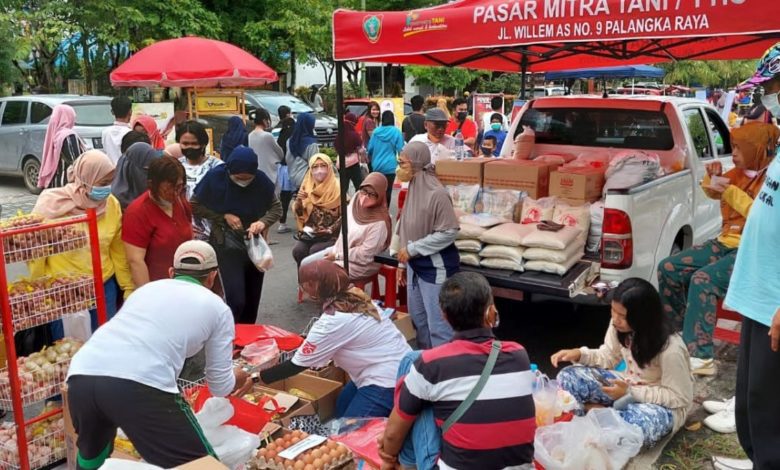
351	333
239	201
61	146
427	230
317	209
300	148
692	282
236	135
351	149
90	189
383	150
148	126
131	178
370	230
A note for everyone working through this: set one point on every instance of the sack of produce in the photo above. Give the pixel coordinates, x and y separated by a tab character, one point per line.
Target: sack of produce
572	216
469	259
554	268
559	240
464	196
500	263
469	246
630	168
470	231
537	210
511	253
554	256
596	223
501	203
481	220
507	234
524	144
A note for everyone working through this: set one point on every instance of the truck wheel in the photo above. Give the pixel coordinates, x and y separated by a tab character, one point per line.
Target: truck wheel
30	170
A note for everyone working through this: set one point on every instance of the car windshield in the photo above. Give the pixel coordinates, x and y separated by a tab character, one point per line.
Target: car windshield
93	114
618	128
272	103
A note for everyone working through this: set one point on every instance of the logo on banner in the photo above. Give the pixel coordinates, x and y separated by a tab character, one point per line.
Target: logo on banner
415	25
372	28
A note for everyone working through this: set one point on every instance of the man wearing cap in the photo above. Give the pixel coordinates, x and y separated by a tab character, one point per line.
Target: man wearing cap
125	375
439	143
754	292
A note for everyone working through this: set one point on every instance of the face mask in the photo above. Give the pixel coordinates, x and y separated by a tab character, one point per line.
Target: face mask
99	193
486	151
771	104
496	126
462	116
242	183
192	153
319	174
403	174
750	173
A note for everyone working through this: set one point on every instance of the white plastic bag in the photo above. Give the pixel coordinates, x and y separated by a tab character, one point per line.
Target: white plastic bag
77	325
630	168
233	445
262	352
599	441
260	253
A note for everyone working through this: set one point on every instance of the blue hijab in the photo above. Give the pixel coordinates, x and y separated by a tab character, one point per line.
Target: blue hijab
236	135
303	135
220	194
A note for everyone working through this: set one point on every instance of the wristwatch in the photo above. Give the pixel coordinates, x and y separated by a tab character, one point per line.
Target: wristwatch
255	376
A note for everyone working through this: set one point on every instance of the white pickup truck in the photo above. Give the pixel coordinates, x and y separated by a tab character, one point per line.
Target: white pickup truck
642	224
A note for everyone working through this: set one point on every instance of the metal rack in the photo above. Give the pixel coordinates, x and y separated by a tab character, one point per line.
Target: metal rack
24	239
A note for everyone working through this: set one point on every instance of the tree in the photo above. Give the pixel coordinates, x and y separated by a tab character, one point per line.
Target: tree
444	78
720	73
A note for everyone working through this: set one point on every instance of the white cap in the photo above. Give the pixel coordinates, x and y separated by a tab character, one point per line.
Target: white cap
195	255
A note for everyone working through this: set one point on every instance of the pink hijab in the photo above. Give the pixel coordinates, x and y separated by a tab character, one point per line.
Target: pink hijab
150	126
73	198
61	124
174	150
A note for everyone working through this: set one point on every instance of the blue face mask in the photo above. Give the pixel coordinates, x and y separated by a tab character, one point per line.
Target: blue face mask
99	193
496	126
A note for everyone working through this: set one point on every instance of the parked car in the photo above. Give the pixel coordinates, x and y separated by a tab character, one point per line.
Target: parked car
358	106
326	127
645	223
23	121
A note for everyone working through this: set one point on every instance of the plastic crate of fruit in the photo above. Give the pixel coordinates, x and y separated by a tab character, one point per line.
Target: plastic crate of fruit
44	240
45	443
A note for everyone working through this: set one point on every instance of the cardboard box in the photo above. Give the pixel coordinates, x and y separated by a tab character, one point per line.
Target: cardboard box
203	463
325	391
282	397
403	322
330	372
454	172
521	175
582	185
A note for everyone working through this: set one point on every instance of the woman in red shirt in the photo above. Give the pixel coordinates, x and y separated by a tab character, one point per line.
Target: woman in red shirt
156	223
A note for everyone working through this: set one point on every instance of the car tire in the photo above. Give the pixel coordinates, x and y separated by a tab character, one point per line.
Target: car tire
30	170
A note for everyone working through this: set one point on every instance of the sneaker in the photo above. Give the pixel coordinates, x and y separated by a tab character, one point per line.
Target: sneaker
703	366
725	463
283	228
716	406
724	422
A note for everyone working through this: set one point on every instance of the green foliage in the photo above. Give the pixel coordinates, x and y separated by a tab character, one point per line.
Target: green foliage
718	73
444	78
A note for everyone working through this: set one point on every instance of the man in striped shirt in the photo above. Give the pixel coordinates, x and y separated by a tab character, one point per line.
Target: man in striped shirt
497	430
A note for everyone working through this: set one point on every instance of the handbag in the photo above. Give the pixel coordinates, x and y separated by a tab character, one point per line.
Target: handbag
474	393
233	241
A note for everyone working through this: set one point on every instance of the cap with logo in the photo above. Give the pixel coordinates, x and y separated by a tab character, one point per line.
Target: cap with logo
768	67
436	115
195	255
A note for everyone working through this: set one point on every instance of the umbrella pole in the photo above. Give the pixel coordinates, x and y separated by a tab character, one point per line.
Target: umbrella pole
523	71
342	163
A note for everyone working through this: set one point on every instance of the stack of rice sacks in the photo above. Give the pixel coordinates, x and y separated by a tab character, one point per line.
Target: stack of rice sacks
469	242
554	252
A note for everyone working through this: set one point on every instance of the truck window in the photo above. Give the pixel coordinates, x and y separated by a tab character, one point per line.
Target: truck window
697	126
616	128
720	132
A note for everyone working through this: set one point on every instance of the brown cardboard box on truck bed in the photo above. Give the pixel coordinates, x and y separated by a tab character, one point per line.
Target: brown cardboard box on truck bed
522	175
582	185
454	172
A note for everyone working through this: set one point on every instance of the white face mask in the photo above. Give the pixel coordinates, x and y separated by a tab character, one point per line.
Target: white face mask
319	174
750	173
241	183
771	103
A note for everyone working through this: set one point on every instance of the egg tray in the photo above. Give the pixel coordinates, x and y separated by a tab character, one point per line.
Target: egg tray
346	461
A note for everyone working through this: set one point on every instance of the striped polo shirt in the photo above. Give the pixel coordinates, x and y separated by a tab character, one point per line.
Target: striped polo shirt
498	429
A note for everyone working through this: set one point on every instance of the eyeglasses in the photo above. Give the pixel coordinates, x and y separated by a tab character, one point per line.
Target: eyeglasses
369	193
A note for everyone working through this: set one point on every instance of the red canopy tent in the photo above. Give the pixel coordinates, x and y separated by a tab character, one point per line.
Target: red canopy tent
549	35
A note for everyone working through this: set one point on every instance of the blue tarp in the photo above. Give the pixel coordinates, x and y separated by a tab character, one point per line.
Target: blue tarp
631	71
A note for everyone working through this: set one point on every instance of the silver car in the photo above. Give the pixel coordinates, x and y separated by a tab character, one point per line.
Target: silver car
23	121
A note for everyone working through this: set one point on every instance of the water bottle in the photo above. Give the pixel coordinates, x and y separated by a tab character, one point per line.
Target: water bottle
460	149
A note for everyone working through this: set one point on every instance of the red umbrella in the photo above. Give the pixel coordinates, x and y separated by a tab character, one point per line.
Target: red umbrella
190	62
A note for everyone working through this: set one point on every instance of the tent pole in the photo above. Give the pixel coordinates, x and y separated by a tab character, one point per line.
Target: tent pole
342	162
523	71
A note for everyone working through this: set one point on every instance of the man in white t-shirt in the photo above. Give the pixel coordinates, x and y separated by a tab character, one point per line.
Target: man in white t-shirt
496	106
122	109
441	145
125	375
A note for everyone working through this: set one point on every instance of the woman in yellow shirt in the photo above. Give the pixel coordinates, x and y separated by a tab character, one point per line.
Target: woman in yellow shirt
89	188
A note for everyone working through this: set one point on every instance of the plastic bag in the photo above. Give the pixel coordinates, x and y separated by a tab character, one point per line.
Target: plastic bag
630	168
233	445
260	253
77	325
464	196
501	203
264	352
599	441
596	222
360	436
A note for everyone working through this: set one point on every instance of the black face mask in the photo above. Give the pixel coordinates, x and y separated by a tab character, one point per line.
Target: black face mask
462	116
192	153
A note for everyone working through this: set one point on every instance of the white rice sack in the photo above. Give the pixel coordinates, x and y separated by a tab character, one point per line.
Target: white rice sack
470	231
632	167
507	234
500	263
553	256
481	220
553	268
512	253
469	246
596	223
552	240
537	210
464	196
572	216
500	202
470	259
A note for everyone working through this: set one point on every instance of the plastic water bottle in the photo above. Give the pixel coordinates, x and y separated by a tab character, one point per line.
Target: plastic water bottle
460	149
